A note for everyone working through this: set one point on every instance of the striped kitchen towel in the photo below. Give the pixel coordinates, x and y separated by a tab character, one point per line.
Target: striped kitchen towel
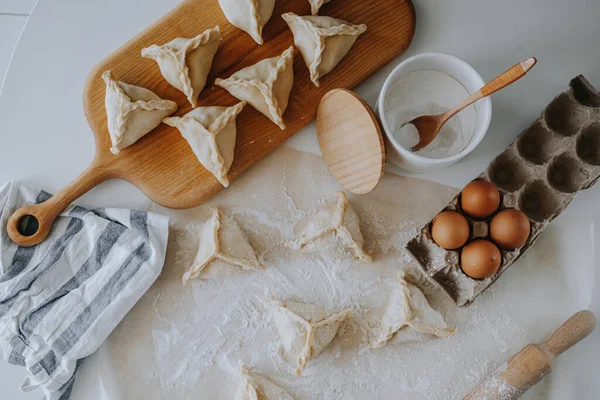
61	299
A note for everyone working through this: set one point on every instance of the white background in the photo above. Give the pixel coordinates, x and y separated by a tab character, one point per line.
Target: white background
13	15
41	114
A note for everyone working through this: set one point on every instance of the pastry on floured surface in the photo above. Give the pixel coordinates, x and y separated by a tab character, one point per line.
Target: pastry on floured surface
338	220
409	317
305	330
254	387
132	112
323	41
211	133
266	85
248	15
185	63
222	241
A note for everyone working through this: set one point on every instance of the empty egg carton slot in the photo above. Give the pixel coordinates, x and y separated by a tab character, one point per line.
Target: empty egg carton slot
539	202
588	144
564	116
538	145
568	174
539	174
585	93
508	172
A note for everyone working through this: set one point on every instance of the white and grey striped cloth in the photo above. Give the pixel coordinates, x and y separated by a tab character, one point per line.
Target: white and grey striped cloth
61	299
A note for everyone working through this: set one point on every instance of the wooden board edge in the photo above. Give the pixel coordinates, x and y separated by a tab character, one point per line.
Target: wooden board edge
102	160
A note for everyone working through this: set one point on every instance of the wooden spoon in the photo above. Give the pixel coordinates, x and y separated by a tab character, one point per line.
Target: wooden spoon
430	125
534	362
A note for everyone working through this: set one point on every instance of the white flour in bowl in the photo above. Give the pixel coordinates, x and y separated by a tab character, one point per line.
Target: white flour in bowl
428	92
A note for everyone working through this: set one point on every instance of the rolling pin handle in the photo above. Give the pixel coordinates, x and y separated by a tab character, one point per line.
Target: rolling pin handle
576	328
30	225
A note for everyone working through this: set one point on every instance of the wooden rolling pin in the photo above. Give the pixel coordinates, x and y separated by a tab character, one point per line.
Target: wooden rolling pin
531	364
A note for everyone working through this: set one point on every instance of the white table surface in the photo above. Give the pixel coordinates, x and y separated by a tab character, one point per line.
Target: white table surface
13	15
46	139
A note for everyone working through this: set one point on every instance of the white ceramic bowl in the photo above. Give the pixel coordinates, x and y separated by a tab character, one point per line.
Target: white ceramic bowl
465	75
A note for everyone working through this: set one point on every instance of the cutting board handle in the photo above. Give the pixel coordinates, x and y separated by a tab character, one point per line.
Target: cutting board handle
45	213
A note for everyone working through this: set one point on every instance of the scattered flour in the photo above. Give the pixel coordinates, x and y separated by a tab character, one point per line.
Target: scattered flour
407	135
187	342
495	387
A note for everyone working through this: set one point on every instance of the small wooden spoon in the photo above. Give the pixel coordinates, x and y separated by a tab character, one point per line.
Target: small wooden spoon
430	125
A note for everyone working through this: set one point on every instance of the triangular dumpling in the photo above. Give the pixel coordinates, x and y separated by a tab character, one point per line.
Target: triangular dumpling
248	15
266	85
323	41
409	312
304	330
132	111
338	219
255	387
185	63
211	133
315	5
221	239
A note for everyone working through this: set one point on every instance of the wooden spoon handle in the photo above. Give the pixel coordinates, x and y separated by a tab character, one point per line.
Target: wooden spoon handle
514	73
572	331
45	213
509	76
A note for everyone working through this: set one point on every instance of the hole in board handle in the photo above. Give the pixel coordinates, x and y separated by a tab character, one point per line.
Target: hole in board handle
28	225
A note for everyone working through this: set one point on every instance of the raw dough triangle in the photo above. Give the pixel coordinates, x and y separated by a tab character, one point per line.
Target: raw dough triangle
221	239
323	41
338	219
248	15
266	85
408	310
185	63
315	5
255	387
211	133
132	112
304	330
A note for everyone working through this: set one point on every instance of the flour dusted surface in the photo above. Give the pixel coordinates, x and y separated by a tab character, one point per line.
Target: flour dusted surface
186	342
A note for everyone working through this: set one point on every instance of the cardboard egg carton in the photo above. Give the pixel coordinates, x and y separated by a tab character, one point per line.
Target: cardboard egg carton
539	174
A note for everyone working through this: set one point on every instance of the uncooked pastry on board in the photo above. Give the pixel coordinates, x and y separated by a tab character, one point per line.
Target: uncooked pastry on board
323	41
254	387
211	133
315	5
338	220
304	330
222	240
249	15
408	311
265	85
185	63
132	112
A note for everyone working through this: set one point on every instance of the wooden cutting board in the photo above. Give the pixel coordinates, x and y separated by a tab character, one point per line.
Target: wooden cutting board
162	164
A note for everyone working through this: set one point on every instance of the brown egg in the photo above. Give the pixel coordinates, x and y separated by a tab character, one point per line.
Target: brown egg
479	199
480	259
450	230
510	229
